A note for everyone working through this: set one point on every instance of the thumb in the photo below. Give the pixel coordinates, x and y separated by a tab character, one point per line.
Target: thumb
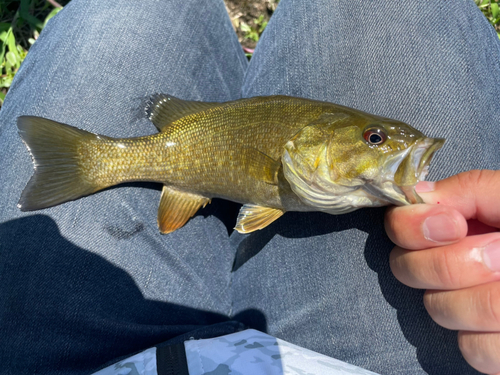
475	194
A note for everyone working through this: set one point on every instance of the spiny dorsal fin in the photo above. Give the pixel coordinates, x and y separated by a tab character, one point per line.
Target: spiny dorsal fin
261	166
177	207
164	109
253	217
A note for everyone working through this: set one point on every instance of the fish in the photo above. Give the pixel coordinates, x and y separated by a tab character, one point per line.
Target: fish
272	154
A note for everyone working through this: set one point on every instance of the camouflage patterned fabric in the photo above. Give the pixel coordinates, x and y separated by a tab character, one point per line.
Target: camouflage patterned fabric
253	352
143	363
248	352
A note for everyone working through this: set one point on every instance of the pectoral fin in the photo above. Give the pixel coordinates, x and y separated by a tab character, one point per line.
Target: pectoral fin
177	207
261	166
253	217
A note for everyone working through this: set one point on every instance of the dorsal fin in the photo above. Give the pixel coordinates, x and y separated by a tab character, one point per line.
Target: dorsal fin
164	109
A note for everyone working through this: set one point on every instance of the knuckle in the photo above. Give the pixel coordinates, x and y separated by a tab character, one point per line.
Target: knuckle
432	301
470	180
402	226
399	265
393	220
445	270
492	301
466	341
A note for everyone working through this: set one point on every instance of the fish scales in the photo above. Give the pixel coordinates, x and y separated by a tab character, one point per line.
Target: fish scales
216	150
205	153
273	154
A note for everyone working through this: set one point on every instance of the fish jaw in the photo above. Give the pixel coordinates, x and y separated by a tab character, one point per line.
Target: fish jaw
417	167
402	172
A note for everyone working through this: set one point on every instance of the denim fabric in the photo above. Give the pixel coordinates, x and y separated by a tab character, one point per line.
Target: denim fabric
89	281
324	281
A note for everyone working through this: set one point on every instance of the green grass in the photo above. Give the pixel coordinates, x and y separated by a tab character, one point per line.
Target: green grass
254	32
21	21
491	10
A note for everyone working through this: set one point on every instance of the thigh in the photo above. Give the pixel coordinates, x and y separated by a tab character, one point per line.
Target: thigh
93	279
324	281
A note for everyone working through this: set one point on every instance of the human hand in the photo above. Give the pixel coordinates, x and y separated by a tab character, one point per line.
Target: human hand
458	259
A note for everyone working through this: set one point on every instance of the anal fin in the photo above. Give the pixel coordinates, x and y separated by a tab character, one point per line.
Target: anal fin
253	217
177	207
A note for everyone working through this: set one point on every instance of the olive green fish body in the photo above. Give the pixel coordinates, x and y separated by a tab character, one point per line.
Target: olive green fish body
233	150
219	153
273	154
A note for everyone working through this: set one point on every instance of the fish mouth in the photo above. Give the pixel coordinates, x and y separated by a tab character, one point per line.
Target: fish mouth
403	170
415	167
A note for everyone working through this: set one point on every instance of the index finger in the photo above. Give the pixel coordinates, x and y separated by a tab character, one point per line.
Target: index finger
475	194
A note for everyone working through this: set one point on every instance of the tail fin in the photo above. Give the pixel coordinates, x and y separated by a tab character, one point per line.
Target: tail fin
58	175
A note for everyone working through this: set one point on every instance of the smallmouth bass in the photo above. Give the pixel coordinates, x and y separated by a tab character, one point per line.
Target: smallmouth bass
272	154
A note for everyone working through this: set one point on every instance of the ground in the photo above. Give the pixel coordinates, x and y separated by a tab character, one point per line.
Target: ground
254	14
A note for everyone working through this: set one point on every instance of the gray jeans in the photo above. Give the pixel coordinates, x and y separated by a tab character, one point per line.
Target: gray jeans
87	282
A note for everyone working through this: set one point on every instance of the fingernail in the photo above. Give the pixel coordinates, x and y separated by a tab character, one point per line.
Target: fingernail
441	228
425	187
491	256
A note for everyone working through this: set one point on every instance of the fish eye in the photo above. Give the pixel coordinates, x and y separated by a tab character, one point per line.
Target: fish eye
374	136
